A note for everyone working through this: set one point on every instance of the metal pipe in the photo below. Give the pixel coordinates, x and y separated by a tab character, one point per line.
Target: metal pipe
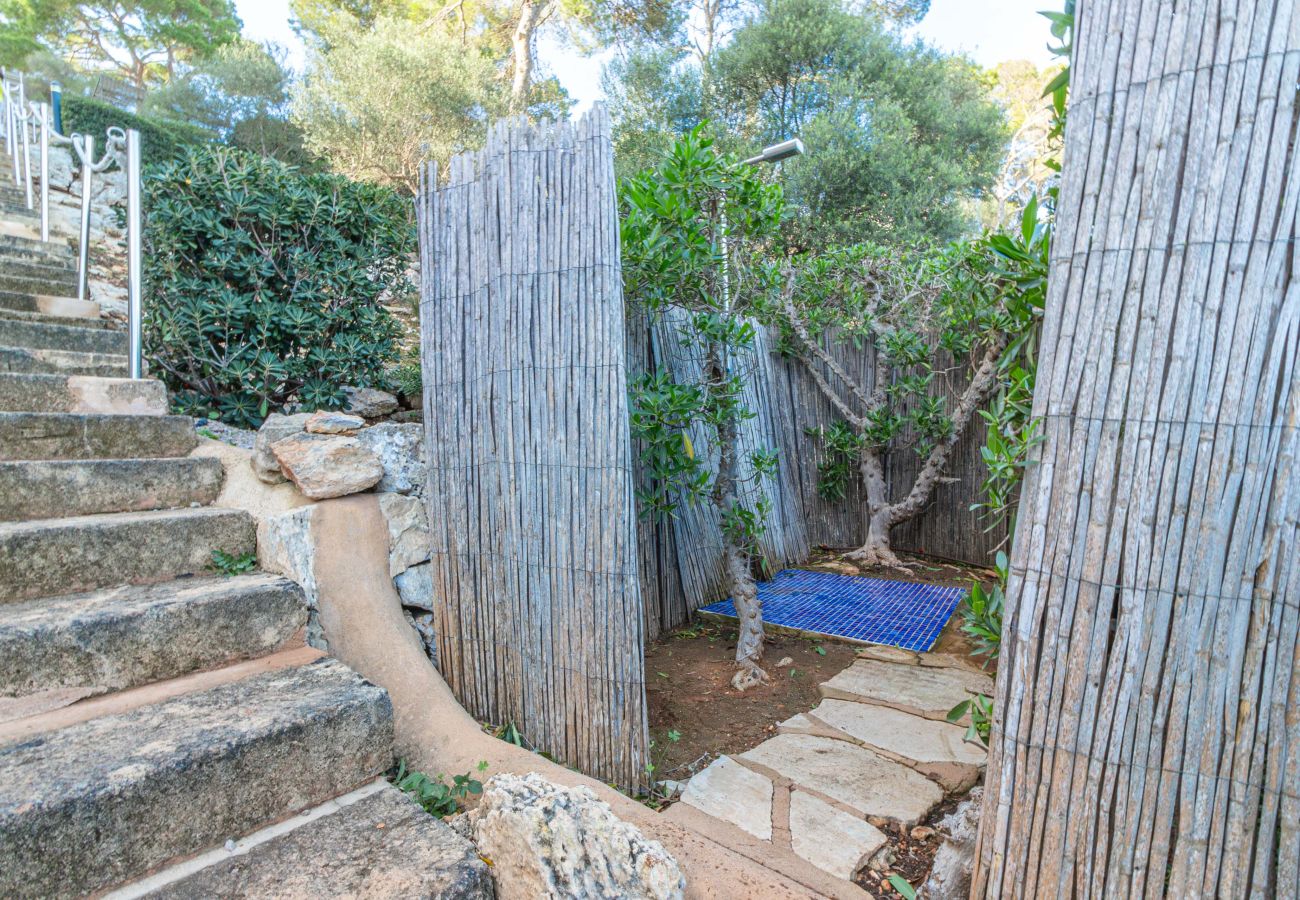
44	171
27	154
56	104
87	154
134	311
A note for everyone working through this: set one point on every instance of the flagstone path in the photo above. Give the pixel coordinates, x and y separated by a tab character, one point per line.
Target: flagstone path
878	749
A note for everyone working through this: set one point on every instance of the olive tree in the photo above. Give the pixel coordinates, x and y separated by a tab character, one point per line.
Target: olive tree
935	317
693	233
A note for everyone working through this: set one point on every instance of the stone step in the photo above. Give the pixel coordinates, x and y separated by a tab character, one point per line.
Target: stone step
25	284
17	264
46	336
937	750
92	805
377	841
57	310
33	435
81	394
62	362
921	690
118	638
51	557
50	489
50	248
860	780
22	311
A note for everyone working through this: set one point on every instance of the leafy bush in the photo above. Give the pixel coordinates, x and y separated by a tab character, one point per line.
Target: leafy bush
262	284
160	139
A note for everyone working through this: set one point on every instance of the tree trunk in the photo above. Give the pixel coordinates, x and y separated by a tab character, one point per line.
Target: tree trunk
736	560
876	550
531	13
1146	741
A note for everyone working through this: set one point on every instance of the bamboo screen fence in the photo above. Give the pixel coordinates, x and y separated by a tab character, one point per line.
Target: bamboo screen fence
1147	739
540	621
681	558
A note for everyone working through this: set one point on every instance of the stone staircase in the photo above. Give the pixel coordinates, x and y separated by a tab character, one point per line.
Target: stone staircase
164	730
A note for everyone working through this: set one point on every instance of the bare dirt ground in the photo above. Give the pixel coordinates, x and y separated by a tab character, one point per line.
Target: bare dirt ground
696	716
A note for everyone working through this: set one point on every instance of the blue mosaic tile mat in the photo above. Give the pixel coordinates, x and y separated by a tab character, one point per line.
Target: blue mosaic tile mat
874	610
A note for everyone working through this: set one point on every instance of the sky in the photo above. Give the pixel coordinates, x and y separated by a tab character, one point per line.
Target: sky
990	31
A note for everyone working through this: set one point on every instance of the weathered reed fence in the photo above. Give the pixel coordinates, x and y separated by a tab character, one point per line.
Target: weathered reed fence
681	558
1147	740
540	620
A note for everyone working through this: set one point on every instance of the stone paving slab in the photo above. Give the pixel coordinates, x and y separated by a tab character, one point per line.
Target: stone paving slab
829	838
923	691
860	779
936	749
728	791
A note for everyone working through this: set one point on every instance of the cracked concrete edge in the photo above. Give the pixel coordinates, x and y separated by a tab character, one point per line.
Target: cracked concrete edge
362	618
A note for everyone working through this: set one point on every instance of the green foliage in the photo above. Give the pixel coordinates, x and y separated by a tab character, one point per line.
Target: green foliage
239	93
693	232
434	794
140	41
263	284
980	709
927	313
982	612
379	99
230	564
903	886
901	137
510	734
160	140
839	463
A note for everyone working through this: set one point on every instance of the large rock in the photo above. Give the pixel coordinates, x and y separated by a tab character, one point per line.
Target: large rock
369	403
548	841
401	450
326	422
415	587
324	466
277	427
950	875
285	546
408	532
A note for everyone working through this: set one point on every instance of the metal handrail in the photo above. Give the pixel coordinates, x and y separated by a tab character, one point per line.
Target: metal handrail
25	121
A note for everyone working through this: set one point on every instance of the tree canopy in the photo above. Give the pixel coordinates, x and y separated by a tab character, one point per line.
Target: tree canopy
140	41
902	136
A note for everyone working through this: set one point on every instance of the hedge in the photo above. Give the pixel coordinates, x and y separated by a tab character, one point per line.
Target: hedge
160	140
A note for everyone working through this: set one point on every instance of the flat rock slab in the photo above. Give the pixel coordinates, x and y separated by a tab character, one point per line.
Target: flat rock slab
381	846
857	777
739	796
936	749
829	838
326	422
923	691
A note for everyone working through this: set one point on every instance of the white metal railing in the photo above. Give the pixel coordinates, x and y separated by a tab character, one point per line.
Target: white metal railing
26	122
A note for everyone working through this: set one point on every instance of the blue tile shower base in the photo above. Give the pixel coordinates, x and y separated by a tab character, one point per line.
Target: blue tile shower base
872	610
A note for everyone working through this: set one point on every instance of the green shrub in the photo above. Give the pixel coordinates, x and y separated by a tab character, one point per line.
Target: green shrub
262	284
160	139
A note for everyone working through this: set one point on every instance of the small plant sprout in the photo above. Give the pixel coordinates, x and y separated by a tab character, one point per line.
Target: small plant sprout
436	796
231	564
